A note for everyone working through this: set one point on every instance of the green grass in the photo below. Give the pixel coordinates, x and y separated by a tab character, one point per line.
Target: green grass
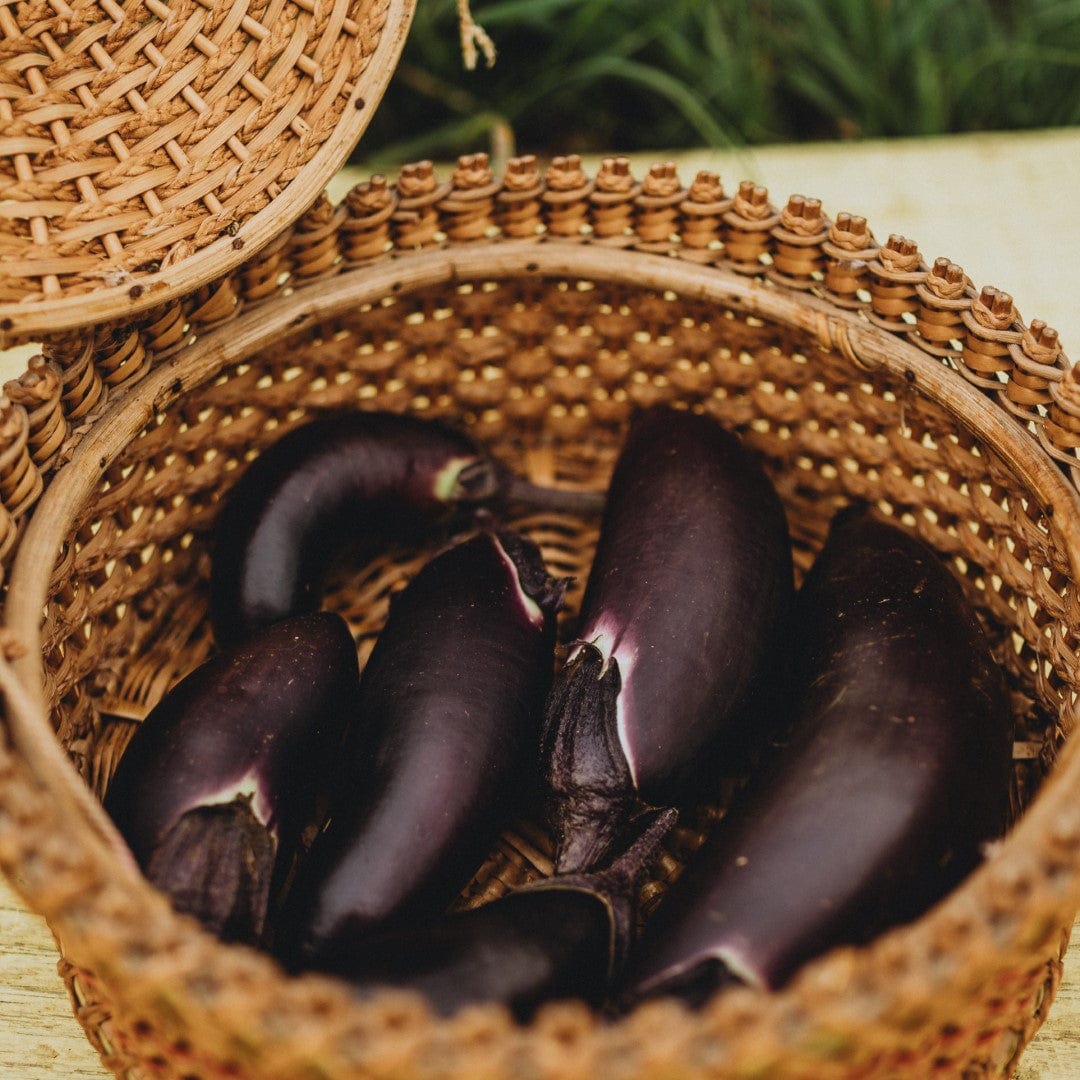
632	75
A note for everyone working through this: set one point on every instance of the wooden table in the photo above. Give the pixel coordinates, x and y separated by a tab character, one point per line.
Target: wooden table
1002	206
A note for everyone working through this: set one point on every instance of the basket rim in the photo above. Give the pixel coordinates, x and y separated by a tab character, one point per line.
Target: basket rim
830	976
29	320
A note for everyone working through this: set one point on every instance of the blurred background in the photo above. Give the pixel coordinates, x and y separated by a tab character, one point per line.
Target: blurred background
641	75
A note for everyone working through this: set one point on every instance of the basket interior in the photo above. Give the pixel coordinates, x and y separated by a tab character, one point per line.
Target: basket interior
546	372
545	366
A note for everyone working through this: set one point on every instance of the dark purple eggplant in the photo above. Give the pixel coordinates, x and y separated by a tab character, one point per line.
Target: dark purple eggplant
894	778
565	937
343	479
222	777
690	586
445	746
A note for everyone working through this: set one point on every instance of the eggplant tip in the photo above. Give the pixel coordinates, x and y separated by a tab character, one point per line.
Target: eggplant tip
694	984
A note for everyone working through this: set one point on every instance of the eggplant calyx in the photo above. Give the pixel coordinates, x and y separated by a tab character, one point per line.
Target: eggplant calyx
618	885
586	767
537	585
215	864
585	832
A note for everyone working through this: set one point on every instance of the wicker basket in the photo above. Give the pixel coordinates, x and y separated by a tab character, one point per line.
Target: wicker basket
539	309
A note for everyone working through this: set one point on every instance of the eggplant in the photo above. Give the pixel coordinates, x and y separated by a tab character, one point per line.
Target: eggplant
340	479
445	746
222	777
689	590
894	778
563	937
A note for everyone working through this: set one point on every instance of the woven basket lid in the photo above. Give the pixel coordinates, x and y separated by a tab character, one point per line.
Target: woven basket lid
149	146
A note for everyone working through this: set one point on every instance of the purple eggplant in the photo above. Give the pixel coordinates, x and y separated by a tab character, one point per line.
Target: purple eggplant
445	746
341	480
894	778
222	777
689	589
564	937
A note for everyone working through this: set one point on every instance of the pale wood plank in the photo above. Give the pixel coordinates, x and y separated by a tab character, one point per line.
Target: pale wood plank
39	1036
1055	1052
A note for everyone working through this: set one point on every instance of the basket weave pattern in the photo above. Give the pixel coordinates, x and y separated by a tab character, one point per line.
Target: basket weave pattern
540	310
133	136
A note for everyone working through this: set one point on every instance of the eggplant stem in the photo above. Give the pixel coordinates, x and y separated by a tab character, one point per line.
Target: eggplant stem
626	873
585	501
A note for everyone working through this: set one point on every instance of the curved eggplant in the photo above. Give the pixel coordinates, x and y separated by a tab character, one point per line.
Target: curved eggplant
335	480
222	777
564	937
690	586
895	777
450	703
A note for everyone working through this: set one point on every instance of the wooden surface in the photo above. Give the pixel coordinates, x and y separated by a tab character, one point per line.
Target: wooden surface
1000	206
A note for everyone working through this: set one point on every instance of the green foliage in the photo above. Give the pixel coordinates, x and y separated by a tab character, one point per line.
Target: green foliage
644	75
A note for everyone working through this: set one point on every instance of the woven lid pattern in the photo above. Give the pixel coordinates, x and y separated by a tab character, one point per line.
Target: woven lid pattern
134	135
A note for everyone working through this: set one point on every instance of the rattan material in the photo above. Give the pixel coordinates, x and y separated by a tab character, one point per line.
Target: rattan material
148	147
540	309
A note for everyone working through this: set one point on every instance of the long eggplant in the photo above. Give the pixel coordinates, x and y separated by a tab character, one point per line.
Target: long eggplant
344	479
445	748
689	589
564	937
895	777
222	777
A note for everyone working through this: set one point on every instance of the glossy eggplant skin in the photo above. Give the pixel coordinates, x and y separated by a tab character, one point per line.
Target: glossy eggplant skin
689	590
895	777
229	764
445	747
339	479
